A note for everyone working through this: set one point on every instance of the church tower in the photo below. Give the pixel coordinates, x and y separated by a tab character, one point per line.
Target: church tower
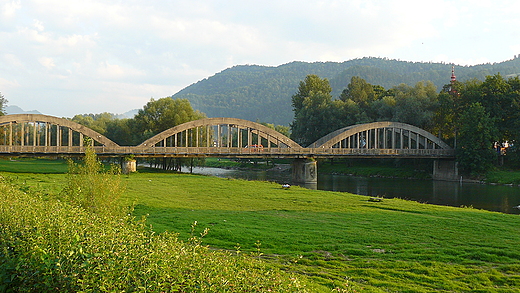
452	90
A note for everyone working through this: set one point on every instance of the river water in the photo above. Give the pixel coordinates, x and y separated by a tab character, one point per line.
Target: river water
498	198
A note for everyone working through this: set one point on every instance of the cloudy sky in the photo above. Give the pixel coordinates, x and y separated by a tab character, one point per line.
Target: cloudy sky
70	57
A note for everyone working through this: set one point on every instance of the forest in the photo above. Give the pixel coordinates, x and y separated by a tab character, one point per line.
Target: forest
264	93
480	119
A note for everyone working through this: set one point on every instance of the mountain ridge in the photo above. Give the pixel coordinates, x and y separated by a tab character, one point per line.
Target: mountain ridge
263	93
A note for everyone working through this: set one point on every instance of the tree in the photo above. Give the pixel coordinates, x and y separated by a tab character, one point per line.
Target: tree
285	130
312	104
477	135
121	131
3	104
312	84
359	91
96	122
159	115
416	105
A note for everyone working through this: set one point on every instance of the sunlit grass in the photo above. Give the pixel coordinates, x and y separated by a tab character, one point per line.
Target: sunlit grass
335	238
33	165
393	245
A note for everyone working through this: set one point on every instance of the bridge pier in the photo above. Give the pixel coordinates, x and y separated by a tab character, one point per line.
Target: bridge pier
445	170
128	166
305	171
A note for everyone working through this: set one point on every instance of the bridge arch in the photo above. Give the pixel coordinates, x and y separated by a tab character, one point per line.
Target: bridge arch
381	135
221	132
43	130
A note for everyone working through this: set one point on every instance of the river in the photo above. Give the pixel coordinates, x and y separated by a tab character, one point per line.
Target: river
498	198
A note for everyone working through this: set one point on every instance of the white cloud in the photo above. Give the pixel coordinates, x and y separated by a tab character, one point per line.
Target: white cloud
108	55
47	62
38	25
9	8
8	84
114	71
11	61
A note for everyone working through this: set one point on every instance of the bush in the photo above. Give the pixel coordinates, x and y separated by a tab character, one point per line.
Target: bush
92	187
51	245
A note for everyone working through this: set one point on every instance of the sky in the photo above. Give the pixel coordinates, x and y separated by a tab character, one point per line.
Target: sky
64	58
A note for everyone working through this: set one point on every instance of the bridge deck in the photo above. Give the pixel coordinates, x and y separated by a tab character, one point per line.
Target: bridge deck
232	152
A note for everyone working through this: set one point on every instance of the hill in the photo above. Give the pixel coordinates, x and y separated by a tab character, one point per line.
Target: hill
17	110
263	93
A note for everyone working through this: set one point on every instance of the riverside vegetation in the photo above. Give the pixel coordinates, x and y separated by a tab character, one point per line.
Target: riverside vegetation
81	240
324	241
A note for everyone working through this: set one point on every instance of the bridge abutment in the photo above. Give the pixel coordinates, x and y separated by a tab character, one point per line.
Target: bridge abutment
305	171
445	170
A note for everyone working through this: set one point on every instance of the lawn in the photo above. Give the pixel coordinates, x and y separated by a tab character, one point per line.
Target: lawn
334	238
393	245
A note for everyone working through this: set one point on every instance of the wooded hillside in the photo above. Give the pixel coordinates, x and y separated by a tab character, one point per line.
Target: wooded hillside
264	93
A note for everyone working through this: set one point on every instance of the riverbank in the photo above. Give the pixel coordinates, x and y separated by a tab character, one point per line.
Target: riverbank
421	170
333	238
386	168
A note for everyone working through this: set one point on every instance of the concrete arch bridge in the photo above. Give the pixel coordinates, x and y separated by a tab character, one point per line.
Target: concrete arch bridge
42	135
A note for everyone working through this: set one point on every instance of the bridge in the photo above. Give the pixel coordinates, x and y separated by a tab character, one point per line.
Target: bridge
42	135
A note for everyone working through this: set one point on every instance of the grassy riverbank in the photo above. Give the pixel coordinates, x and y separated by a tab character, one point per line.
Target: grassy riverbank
393	245
417	169
238	164
333	238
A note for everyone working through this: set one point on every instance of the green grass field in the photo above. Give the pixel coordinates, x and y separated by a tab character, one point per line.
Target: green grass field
333	238
33	165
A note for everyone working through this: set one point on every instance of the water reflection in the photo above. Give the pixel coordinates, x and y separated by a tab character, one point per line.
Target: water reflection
489	197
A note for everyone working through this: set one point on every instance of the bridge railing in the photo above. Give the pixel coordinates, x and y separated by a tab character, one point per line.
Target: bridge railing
383	152
226	151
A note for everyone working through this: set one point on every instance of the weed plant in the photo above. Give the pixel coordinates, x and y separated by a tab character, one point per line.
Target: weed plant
92	187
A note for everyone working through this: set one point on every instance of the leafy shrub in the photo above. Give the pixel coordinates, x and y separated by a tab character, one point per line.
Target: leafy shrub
92	187
51	245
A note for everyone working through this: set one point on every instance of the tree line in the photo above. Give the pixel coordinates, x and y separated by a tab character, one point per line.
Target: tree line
155	117
480	119
263	92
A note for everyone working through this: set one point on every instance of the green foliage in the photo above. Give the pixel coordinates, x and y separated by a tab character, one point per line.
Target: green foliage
312	104
156	116
96	122
92	187
316	114
263	93
51	246
285	130
359	91
475	143
122	132
159	115
339	240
